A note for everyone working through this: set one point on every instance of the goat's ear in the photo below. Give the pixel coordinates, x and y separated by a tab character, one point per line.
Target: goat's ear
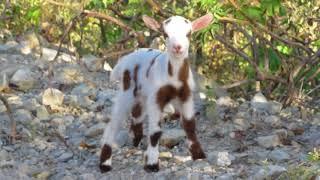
151	23
201	22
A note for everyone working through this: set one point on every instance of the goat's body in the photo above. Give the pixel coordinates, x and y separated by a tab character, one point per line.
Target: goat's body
149	80
153	71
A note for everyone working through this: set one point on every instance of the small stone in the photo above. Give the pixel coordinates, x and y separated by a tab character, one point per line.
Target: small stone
65	157
182	159
52	97
172	137
271	171
268	141
222	158
278	155
95	130
225	101
68	75
165	155
4	155
22	115
274	121
241	124
24	79
43	175
4	82
42	113
275	107
92	63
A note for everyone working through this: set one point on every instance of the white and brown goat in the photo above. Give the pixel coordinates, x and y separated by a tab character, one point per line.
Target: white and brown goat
149	80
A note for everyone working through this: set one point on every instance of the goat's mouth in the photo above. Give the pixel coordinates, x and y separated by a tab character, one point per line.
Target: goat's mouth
177	53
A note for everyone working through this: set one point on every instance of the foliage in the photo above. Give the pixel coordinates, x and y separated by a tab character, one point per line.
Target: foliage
314	155
266	31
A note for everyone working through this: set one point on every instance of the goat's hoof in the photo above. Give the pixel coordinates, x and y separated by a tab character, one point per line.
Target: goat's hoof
136	142
198	155
105	168
151	167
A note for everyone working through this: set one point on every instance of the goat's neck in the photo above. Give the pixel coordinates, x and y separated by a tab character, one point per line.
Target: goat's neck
176	63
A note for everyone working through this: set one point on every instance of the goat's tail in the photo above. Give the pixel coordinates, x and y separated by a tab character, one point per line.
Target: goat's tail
116	73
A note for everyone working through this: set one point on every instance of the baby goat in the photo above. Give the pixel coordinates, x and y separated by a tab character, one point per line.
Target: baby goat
150	79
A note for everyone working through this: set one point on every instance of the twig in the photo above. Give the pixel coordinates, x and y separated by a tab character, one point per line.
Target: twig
13	125
94	14
236	84
317	87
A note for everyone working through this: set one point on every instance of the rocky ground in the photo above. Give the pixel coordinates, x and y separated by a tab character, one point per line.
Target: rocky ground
60	127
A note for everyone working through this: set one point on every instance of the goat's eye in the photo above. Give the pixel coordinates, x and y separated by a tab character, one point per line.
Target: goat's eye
189	35
165	35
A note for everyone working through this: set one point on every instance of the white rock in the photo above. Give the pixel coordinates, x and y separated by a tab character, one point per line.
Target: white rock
268	141
225	101
107	67
260	102
52	97
222	158
70	74
48	54
24	79
172	137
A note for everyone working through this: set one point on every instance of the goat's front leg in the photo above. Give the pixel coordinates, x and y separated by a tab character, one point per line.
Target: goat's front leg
152	153
120	110
189	125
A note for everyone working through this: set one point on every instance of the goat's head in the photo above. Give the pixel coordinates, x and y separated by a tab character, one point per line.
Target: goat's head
177	31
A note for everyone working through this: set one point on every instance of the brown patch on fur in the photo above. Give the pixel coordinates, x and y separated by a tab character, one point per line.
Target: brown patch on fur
184	71
151	64
135	79
154	138
136	110
170	71
190	129
137	132
165	94
184	92
126	80
105	155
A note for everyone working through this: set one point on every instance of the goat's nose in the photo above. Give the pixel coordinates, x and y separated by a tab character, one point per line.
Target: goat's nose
177	47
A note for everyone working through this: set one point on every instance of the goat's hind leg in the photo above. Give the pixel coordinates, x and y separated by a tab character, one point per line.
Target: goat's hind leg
138	115
120	111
